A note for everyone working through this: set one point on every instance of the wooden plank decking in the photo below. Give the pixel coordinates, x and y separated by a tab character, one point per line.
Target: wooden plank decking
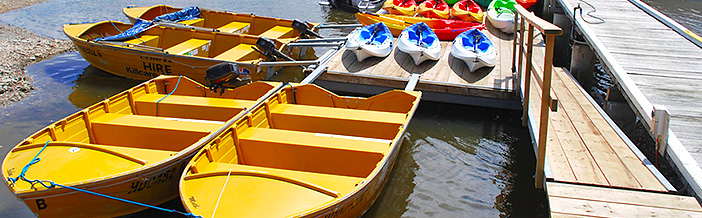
663	64
448	74
571	200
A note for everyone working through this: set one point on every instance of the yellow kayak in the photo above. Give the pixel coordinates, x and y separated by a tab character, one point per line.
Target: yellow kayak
224	21
133	145
162	50
305	152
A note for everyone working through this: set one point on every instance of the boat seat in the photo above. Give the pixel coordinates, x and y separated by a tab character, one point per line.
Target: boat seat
241	52
191	107
149	40
340	184
161	133
341	121
310	152
149	155
235	27
194	22
192	47
278	32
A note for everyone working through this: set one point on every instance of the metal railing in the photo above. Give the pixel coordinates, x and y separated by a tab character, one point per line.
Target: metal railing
522	60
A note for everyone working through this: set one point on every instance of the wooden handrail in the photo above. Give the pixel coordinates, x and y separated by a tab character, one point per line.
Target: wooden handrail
543	26
543	78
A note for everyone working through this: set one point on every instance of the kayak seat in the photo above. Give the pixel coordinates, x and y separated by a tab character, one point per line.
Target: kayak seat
310	152
159	133
429	41
379	39
341	121
193	47
278	32
148	40
235	27
365	35
340	184
483	46
191	107
241	52
194	22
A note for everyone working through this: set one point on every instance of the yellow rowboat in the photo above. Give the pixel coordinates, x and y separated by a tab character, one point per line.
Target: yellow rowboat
229	22
129	146
305	152
162	50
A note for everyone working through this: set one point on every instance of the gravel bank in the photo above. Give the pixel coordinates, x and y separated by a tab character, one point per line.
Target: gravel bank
20	48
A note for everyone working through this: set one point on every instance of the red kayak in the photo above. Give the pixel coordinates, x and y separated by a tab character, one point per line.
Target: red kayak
434	9
445	29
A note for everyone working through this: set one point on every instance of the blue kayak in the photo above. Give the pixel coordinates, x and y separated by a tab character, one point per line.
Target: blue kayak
475	49
420	43
374	40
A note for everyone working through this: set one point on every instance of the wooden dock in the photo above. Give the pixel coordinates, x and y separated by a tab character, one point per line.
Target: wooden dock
654	65
448	77
586	165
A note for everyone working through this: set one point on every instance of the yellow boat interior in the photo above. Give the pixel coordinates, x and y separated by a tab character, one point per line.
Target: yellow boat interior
176	41
302	149
135	129
223	21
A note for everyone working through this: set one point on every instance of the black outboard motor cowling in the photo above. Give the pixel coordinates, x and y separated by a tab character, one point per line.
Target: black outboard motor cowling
226	75
304	30
267	48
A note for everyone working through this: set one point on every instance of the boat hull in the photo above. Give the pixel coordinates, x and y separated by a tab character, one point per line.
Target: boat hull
364	50
305	163
475	56
467	10
400	7
500	15
419	52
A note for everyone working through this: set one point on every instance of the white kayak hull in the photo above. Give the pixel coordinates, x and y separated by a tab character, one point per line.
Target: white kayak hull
504	21
473	60
419	53
364	49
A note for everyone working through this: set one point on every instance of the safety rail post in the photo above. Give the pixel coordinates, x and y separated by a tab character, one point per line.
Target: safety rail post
548	101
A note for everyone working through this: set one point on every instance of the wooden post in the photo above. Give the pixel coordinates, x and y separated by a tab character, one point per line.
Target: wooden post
661	121
527	74
545	104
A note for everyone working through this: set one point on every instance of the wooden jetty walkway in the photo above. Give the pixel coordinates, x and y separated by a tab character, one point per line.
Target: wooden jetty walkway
655	62
586	165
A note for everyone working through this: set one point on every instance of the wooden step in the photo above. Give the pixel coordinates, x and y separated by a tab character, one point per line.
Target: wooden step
191	107
160	133
341	121
311	152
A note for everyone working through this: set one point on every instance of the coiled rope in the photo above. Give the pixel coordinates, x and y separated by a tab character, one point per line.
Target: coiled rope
52	184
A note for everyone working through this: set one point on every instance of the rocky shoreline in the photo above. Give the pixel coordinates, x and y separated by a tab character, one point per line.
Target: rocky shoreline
20	48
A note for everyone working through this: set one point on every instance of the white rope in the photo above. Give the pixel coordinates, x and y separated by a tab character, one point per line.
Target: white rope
221	192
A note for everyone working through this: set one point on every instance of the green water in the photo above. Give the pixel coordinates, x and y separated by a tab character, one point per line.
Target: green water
456	161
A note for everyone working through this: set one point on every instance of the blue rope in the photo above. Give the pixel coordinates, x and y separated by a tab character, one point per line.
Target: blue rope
169	94
34	160
52	184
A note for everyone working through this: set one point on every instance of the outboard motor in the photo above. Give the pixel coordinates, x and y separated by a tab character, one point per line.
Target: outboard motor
267	48
226	75
305	32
